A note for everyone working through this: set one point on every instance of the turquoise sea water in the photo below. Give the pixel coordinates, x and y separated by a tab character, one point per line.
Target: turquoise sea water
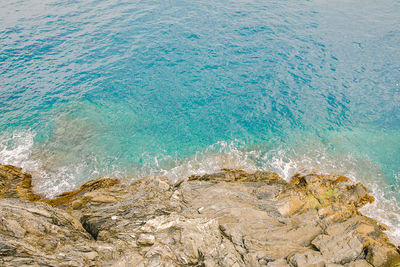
133	88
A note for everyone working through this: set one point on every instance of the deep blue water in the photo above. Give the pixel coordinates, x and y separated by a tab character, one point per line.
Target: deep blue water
132	88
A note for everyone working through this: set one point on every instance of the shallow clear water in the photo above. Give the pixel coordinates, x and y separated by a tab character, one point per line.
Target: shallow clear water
126	89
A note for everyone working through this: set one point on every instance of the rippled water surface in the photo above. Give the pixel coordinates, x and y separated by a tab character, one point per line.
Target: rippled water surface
133	88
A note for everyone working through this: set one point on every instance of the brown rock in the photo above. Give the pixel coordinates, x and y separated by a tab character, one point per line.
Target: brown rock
65	199
278	263
342	248
230	218
382	256
37	234
146	240
290	205
358	263
15	183
308	258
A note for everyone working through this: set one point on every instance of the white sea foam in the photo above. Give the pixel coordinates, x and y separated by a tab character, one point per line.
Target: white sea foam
214	158
386	210
16	149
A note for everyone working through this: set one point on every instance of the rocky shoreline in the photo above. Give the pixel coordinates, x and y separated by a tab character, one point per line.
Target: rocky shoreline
230	218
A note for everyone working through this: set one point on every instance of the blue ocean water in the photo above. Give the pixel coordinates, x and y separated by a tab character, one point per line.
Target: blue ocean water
134	88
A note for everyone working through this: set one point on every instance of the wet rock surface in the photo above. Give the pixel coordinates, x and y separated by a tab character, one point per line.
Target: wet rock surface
16	184
231	218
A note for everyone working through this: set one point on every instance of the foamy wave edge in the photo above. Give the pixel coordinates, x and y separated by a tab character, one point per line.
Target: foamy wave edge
16	149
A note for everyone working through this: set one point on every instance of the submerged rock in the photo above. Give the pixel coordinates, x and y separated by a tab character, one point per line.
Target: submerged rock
230	218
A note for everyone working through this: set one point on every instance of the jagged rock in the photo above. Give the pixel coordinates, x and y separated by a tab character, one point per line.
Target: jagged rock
68	198
278	263
356	238
383	256
36	233
15	183
307	258
341	249
230	218
146	240
358	263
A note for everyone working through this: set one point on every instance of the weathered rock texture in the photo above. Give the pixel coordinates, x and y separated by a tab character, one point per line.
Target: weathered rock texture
229	218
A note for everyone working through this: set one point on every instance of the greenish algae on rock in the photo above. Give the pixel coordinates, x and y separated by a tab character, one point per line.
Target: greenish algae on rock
230	218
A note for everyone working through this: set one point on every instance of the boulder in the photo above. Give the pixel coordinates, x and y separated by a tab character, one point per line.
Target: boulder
308	258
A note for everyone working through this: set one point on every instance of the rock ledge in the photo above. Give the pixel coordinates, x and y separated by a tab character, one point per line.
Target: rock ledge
230	218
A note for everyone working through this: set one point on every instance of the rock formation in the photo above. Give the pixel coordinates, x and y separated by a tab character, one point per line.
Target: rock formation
230	218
